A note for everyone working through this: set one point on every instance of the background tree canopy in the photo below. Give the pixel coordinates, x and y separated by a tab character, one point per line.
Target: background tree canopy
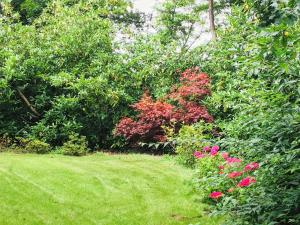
68	70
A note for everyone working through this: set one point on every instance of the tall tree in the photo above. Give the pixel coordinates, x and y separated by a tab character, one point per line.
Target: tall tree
212	19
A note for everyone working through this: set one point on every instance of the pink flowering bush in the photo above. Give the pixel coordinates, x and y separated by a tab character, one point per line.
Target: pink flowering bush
246	182
235	174
251	166
215	194
199	155
222	178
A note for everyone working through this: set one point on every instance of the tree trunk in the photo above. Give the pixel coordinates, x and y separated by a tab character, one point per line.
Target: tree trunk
27	103
212	19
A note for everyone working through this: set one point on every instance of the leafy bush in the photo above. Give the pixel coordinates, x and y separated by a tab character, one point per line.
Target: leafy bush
151	118
255	102
29	9
66	71
184	108
29	145
189	139
75	146
37	146
225	182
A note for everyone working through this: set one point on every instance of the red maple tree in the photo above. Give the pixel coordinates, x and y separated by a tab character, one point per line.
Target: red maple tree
152	115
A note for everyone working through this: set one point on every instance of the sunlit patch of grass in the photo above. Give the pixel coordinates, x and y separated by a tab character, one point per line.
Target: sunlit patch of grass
97	189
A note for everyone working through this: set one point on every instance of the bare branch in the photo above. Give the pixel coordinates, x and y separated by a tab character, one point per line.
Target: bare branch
27	103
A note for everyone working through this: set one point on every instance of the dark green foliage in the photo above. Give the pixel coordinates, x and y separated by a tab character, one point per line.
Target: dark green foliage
66	73
29	9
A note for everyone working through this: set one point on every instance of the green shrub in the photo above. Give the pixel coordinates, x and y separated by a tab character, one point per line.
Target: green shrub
65	64
75	146
225	182
37	146
29	145
189	139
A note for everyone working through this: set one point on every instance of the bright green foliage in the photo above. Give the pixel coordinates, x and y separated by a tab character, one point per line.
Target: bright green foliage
189	139
207	178
177	20
255	101
75	146
36	146
225	183
117	11
26	145
49	62
96	189
267	12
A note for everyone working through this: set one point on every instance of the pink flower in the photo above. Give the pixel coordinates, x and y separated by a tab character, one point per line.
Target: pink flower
221	167
206	148
215	194
251	166
234	174
198	154
233	160
213	153
215	148
246	182
225	155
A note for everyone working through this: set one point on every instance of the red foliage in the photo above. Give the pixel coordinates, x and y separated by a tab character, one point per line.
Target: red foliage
153	111
191	112
152	115
126	127
194	85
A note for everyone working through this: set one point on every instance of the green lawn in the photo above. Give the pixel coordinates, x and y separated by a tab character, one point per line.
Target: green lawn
96	189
